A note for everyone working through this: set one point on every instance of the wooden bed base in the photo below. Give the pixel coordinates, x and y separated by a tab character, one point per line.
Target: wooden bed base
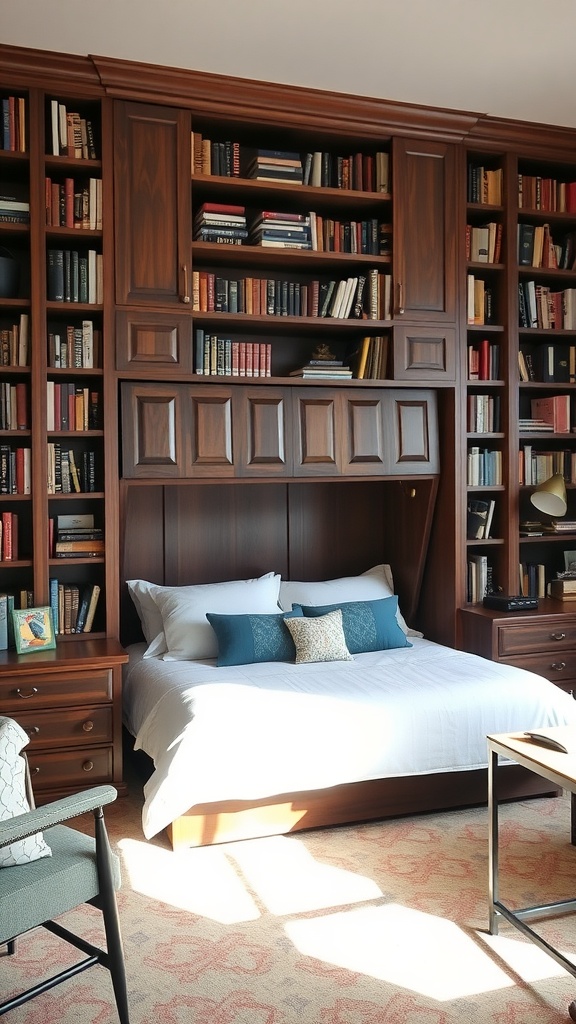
225	822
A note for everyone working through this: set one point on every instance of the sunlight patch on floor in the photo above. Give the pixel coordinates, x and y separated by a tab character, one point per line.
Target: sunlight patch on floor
420	952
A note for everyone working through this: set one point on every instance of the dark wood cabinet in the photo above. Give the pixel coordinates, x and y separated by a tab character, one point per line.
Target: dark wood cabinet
152	431
425	222
264	447
152	204
154	343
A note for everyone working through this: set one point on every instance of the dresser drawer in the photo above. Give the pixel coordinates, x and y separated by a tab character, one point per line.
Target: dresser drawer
555	634
54	688
73	769
62	729
558	666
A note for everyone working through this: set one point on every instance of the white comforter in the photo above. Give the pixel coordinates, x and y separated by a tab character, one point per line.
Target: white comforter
254	731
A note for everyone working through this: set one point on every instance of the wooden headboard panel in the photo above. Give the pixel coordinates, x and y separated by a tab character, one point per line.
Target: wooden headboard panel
177	534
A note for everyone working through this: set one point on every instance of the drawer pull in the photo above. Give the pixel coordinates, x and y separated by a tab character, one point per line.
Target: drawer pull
31	693
34	771
88	726
557	636
33	730
558	666
87	766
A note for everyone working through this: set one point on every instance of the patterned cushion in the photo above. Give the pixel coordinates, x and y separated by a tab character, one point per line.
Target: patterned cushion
13	798
248	639
319	639
367	625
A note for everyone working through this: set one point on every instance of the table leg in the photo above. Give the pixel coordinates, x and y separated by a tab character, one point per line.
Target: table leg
492	841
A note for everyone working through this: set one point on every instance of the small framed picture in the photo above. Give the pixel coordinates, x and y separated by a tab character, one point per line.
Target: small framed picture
570	561
33	629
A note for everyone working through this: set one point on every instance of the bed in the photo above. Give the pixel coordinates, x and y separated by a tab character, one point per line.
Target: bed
387	723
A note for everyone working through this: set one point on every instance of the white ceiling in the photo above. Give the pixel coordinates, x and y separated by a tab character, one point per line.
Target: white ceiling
507	58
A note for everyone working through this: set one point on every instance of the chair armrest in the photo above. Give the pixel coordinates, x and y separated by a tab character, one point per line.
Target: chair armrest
23	825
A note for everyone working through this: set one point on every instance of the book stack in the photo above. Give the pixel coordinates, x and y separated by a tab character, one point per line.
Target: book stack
323	369
275	165
78	537
282	230
223	223
563	589
533	425
14	210
560	526
554	410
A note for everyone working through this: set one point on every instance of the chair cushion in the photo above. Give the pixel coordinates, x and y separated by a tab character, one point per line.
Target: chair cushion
13	799
34	893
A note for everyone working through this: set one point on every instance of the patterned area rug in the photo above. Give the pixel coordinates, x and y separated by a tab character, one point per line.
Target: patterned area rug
366	924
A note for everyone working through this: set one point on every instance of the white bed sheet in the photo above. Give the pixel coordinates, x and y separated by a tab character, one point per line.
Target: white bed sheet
253	731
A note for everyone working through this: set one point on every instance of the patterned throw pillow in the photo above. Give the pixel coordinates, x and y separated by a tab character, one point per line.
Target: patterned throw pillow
319	639
249	639
13	798
367	625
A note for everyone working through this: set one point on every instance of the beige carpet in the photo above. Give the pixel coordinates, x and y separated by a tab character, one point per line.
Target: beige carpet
358	925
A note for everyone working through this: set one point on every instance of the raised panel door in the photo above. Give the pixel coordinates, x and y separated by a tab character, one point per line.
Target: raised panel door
362	422
317	433
152	431
262	430
411	431
208	440
152	204
153	342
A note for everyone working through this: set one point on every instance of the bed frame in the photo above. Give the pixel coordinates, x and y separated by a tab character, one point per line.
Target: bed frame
186	533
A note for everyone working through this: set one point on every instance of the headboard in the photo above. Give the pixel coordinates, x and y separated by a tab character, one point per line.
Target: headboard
184	533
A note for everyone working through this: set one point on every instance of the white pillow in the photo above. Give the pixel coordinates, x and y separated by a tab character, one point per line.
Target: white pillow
188	634
13	799
372	585
150	619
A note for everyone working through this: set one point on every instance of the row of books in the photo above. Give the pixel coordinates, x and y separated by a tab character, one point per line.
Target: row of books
15	470
538	193
484	242
532	579
483	414
14	342
548	363
539	306
75	346
71	134
74	205
370	362
479	301
73	606
484	185
9	536
366	296
218	356
69	470
13	136
14	406
536	248
69	406
75	277
479	515
479	578
536	465
483	360
14	210
365	172
483	467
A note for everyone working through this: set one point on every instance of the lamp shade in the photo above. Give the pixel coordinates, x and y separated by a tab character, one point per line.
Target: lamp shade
550	497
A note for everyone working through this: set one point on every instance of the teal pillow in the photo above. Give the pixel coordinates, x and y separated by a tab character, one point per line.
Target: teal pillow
367	625
248	639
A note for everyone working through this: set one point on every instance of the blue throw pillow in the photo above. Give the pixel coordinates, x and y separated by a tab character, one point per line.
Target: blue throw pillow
248	639
367	625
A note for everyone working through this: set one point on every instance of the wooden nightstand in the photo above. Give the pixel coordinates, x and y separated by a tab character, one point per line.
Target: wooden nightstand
542	641
69	702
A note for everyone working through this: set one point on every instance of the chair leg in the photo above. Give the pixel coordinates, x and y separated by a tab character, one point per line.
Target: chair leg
109	909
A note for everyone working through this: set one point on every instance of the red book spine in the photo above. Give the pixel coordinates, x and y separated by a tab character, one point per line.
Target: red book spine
484	363
242	359
7	536
69	202
21	406
19	471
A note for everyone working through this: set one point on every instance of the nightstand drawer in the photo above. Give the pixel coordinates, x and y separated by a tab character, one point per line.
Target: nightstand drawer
70	769
54	688
558	666
62	729
556	634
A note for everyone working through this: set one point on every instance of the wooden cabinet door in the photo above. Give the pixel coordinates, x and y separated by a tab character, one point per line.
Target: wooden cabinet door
411	432
316	432
361	421
152	431
424	188
153	205
262	430
208	425
154	342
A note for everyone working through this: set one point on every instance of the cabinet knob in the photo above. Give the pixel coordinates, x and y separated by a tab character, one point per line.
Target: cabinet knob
88	726
558	666
186	296
33	730
30	693
87	766
34	771
558	636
